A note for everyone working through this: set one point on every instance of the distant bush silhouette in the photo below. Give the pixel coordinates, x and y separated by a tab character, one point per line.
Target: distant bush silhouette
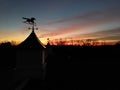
7	52
118	43
5	44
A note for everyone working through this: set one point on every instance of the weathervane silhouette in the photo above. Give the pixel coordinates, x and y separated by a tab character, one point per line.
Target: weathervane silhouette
31	21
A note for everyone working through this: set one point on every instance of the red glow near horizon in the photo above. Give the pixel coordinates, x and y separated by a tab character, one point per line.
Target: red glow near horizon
80	43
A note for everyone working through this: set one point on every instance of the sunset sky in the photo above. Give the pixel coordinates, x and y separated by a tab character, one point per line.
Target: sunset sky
76	19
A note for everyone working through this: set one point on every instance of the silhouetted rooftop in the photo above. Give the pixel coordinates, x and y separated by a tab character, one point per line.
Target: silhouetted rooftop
31	42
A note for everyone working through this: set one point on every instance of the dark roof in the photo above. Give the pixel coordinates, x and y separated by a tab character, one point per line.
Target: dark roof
31	42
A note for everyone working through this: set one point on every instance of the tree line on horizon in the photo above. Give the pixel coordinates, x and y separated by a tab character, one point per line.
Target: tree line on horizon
62	42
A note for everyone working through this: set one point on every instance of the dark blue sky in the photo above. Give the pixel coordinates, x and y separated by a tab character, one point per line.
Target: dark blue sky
78	19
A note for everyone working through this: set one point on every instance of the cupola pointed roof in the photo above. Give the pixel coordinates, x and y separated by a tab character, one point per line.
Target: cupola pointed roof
31	42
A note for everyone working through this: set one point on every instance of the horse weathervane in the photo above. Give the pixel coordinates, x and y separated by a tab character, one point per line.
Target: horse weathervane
30	21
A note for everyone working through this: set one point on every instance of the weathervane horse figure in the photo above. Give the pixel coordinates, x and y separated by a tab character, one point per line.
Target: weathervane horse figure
30	20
